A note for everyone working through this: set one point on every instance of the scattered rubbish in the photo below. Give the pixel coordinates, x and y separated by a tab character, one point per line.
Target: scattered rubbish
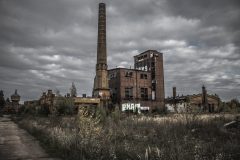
233	126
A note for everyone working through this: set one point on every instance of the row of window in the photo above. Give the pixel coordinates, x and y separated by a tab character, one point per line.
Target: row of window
142	76
129	74
145	65
129	93
142	57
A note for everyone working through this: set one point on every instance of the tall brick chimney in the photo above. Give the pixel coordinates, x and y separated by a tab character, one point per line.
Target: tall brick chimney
102	44
204	98
174	92
101	88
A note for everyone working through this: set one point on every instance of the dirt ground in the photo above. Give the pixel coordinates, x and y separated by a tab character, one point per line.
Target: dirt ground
17	144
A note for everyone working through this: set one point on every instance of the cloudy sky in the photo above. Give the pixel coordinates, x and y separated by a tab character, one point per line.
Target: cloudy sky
50	44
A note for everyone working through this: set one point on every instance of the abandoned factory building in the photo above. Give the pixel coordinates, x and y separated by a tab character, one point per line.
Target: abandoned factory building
202	102
141	88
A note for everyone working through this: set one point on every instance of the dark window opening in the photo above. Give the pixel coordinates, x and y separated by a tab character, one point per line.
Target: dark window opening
129	93
144	93
112	76
154	86
199	105
129	74
143	76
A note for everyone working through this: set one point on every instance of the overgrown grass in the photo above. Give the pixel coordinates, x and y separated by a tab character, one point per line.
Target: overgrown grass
118	136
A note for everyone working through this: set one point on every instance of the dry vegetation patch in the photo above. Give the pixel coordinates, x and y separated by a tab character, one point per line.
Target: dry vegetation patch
117	136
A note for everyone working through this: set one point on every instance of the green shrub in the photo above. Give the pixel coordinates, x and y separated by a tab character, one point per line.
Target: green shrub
65	106
30	110
43	110
160	110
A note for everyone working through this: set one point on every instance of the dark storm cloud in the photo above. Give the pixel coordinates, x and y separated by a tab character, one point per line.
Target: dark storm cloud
219	13
48	44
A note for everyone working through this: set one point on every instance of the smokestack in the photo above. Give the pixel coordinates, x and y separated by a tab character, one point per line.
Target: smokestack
101	87
174	92
102	44
204	98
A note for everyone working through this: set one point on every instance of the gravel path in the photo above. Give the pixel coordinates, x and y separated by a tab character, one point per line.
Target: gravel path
17	144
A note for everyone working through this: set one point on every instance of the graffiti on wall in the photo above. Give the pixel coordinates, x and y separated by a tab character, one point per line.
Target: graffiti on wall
135	107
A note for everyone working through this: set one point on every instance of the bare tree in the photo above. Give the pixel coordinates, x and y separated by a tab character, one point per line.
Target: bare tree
73	90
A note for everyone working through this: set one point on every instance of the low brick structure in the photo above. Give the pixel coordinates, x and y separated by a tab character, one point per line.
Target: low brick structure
201	102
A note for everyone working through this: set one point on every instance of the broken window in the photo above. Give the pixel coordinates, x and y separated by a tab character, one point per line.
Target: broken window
112	76
129	74
129	93
143	76
144	93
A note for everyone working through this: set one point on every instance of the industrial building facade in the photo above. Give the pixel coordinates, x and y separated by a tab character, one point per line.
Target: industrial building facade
141	88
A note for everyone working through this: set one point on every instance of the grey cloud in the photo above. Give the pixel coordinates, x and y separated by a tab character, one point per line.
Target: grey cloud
48	44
